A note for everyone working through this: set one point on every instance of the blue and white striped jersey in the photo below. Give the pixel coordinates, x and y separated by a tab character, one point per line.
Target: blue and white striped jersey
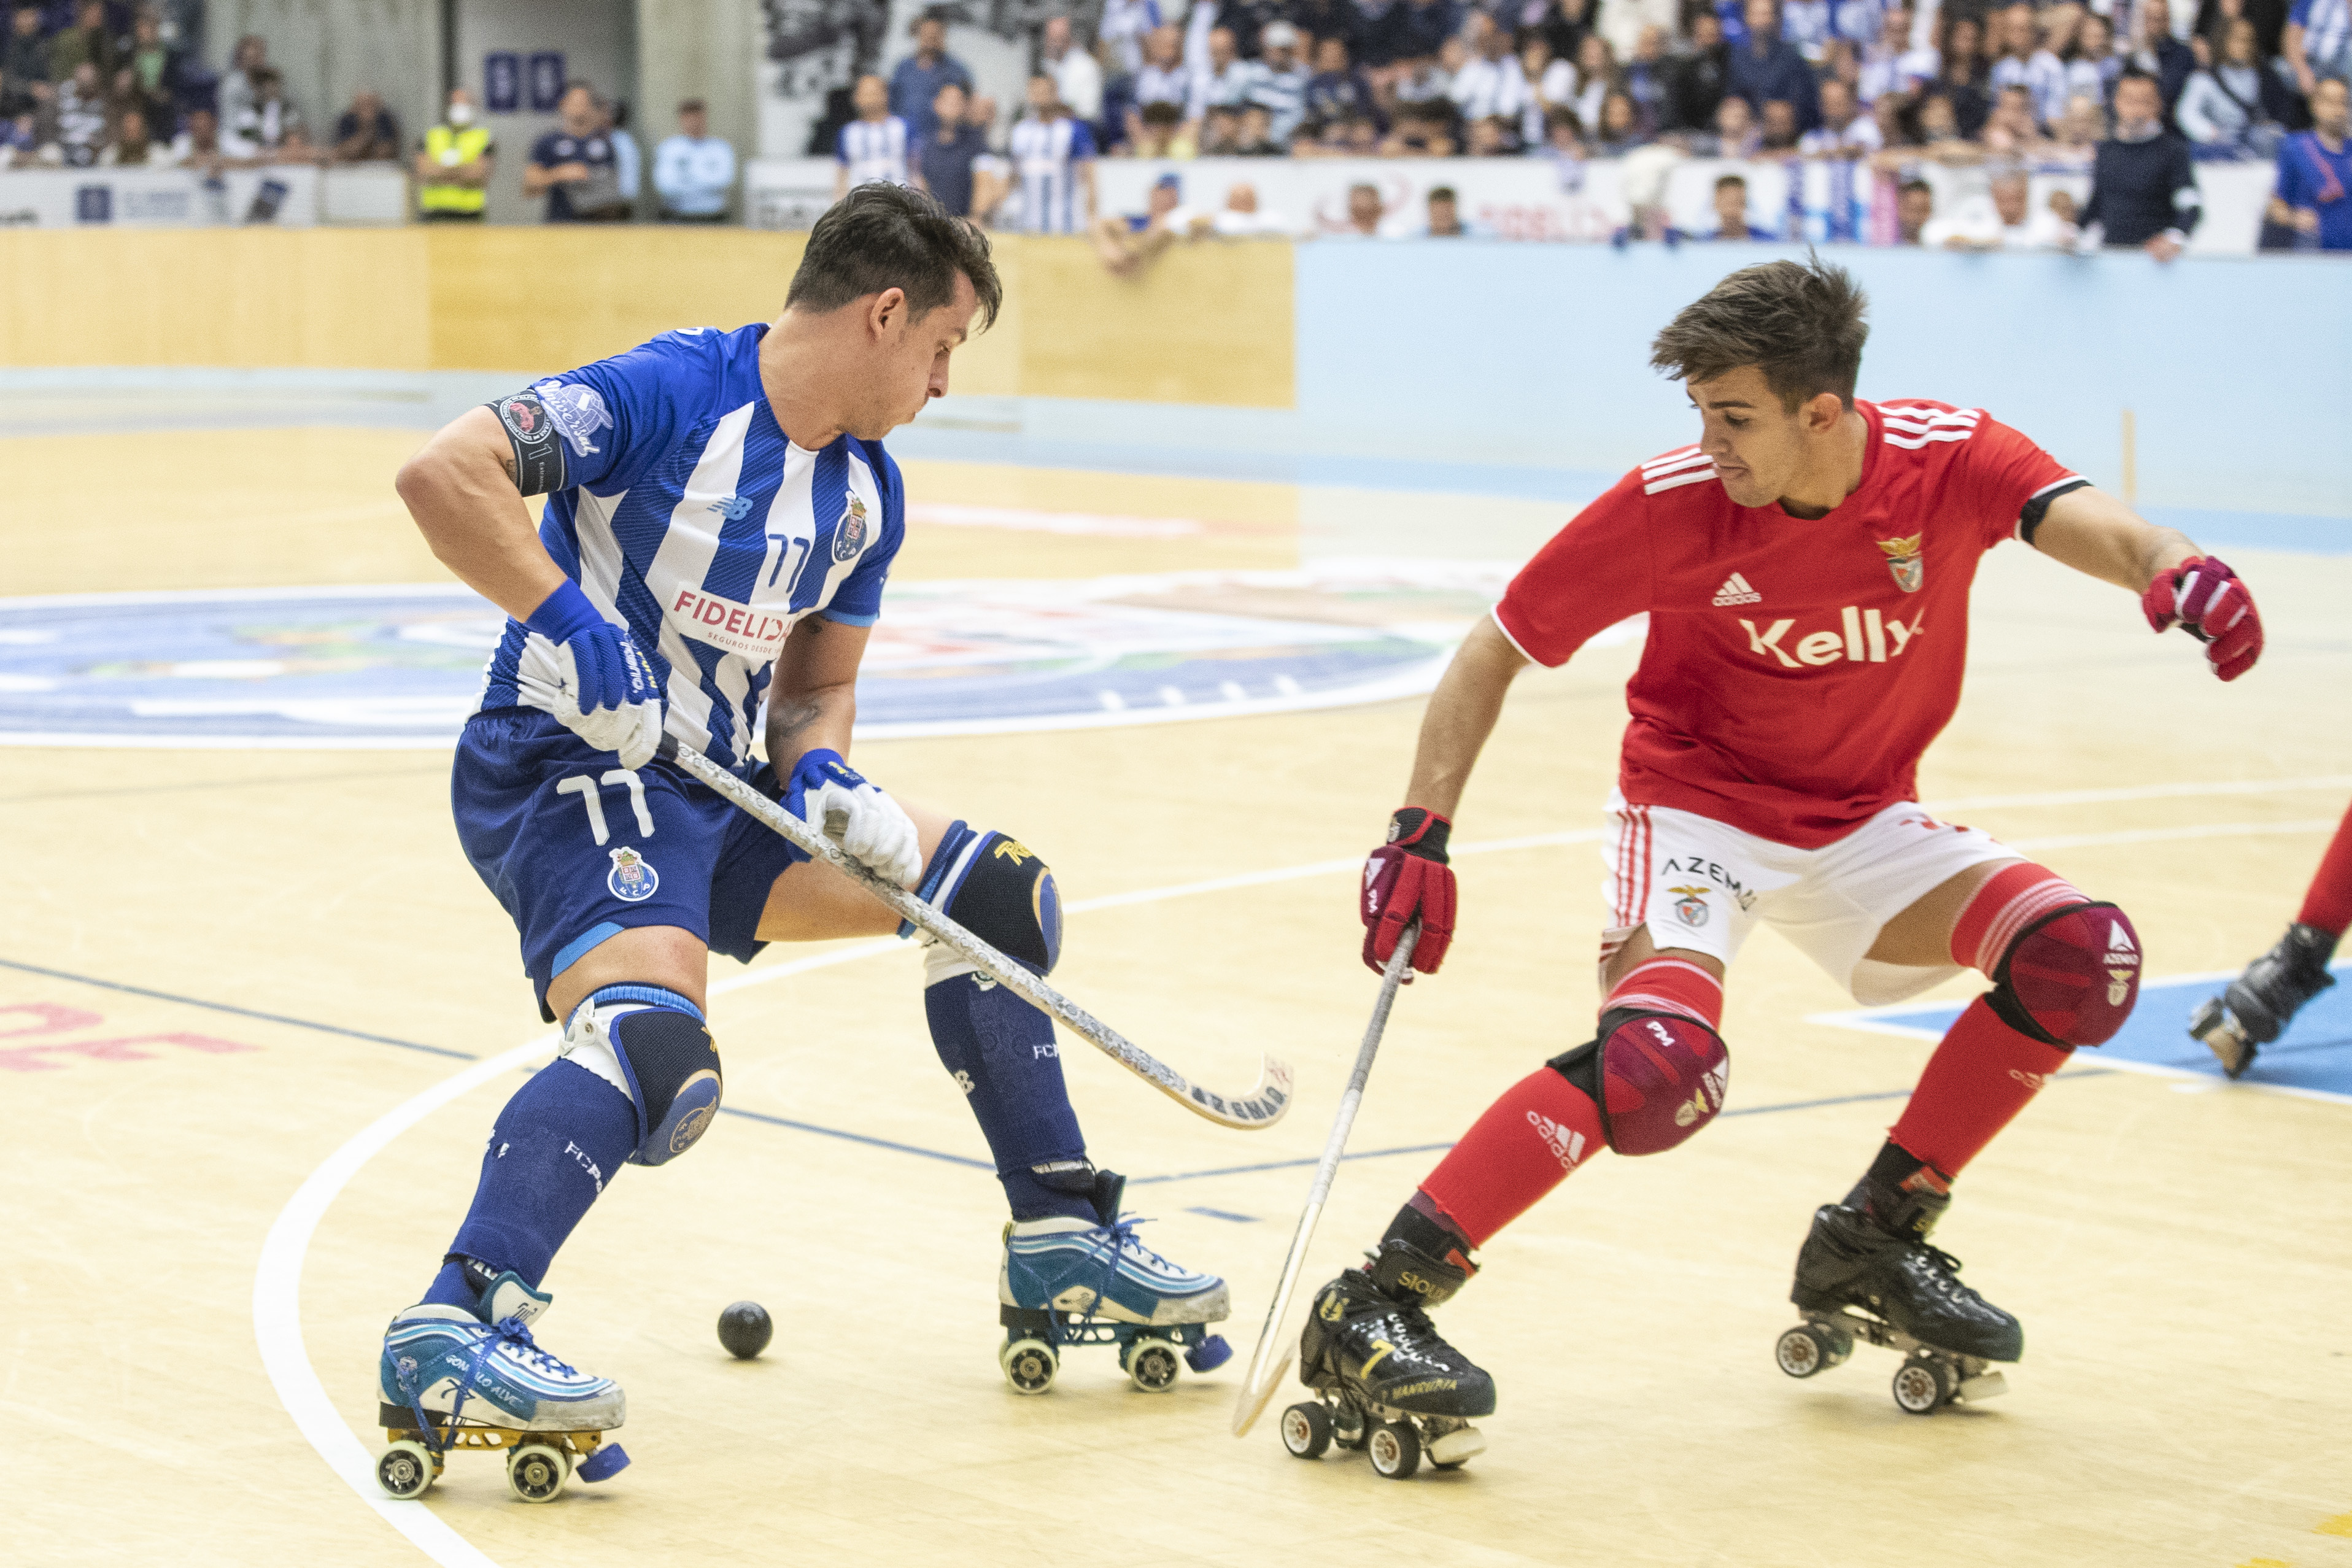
2327	32
875	151
1046	152
696	522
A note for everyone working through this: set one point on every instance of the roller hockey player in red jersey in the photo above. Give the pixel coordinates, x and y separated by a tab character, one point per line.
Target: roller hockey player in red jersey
2261	1003
1805	568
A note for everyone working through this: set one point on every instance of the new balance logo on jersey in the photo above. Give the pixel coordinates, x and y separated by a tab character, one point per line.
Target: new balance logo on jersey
1735	590
1564	1141
1863	637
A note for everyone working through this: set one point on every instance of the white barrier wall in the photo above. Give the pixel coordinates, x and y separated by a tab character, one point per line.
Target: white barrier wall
1532	198
288	195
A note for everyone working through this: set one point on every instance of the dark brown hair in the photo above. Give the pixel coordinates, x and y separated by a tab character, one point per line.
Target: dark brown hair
1802	325
888	237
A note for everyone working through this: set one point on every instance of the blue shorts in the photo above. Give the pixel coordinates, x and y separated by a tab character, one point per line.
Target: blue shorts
579	850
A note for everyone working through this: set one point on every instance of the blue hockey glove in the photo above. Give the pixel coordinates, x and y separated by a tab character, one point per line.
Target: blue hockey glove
872	829
608	696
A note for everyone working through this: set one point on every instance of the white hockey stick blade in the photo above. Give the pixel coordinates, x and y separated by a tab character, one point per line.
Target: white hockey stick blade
1258	1388
1263	1107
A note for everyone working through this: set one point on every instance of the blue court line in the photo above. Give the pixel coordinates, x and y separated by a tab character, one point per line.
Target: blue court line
859	1138
240	1012
1222	1214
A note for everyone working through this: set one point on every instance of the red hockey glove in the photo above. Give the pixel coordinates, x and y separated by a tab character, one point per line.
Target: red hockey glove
2205	598
1407	877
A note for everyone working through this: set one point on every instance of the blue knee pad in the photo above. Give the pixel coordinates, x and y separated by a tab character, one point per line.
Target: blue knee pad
652	1045
1001	891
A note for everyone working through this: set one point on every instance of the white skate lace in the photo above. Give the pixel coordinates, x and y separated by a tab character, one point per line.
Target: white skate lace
1119	1234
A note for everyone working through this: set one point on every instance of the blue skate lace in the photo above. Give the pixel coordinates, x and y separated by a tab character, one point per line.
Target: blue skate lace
506	1331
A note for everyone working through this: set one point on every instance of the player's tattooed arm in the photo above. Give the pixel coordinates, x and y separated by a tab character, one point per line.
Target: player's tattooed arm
813	701
461	491
2097	535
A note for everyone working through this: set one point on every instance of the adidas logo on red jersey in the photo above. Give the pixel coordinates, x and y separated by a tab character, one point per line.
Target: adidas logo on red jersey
1735	590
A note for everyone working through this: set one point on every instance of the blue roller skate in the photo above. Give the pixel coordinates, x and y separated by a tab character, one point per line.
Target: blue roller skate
450	1378
1066	1282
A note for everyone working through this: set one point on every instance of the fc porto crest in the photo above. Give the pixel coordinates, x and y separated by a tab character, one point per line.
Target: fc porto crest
1691	908
1903	559
850	533
632	878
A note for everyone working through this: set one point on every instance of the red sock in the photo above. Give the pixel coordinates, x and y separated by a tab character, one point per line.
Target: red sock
1542	1128
1979	1080
1670	986
2328	904
2010	899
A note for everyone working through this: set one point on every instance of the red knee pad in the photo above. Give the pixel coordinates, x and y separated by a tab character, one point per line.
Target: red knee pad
1661	1078
2072	977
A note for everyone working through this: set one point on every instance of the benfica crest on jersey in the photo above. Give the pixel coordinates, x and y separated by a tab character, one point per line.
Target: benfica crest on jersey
1903	561
1691	907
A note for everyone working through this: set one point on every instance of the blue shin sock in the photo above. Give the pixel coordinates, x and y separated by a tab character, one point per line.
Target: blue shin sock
1002	1053
559	1141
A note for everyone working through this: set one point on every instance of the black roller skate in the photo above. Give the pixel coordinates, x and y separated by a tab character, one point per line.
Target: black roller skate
1866	1271
2261	1003
1385	1381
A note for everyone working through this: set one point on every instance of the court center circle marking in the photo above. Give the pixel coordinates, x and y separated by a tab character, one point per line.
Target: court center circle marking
277	1277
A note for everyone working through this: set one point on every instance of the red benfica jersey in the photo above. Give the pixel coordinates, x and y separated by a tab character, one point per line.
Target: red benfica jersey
1795	668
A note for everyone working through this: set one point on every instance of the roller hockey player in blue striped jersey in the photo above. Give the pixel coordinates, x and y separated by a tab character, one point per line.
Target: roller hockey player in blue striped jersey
721	516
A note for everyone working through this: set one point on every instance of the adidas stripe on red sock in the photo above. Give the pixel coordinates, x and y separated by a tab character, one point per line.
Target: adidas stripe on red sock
1670	986
1542	1128
1980	1078
2010	899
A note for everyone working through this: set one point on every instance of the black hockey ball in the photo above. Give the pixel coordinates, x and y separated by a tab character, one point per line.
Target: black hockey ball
745	1330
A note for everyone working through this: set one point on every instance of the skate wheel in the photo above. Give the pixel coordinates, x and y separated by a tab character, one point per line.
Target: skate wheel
1306	1430
1029	1365
1151	1364
1921	1384
1802	1350
536	1471
1394	1448
1452	1450
404	1469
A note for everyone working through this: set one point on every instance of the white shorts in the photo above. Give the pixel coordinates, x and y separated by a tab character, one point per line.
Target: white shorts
1701	884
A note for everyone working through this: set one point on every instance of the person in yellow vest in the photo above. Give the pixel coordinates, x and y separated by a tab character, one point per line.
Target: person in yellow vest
454	164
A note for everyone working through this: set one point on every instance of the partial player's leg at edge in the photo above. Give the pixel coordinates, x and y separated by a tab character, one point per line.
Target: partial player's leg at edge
2260	1004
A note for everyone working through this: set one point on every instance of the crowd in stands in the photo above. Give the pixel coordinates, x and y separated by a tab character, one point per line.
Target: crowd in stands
90	84
2134	93
101	84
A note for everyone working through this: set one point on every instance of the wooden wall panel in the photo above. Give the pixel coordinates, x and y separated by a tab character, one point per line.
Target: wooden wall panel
1209	324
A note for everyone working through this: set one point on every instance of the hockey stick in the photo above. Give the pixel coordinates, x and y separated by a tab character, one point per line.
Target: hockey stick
1257	1388
1260	1107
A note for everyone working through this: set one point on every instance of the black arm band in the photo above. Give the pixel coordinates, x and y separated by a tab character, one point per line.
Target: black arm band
541	466
2039	507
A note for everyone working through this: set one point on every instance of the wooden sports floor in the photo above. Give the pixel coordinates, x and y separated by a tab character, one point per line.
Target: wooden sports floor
200	1237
